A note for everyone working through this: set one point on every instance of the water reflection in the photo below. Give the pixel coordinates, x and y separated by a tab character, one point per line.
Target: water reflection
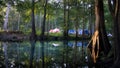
32	53
5	54
40	54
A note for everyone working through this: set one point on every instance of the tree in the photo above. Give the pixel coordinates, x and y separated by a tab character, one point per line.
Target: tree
99	42
77	18
114	6
44	19
65	19
6	16
33	34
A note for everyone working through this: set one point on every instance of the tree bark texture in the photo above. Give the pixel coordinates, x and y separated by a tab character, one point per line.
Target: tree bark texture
99	42
115	12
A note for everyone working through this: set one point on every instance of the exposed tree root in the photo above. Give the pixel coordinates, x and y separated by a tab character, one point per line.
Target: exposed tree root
94	46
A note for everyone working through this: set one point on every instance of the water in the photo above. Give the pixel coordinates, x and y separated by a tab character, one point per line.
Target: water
43	54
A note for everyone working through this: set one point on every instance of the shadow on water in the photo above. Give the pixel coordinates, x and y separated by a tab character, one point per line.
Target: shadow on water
44	54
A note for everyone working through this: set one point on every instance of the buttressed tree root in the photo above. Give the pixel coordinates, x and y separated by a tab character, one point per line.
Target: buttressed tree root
93	46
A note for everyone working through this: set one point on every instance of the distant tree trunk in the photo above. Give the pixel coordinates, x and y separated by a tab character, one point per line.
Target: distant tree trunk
77	18
44	19
68	16
65	33
90	21
83	24
18	26
115	11
5	25
99	39
48	24
33	34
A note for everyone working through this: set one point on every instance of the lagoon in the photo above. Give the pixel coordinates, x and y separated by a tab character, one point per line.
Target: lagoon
44	54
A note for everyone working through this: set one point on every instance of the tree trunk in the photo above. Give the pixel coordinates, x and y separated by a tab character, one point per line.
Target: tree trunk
19	18
77	19
5	25
99	40
65	33
90	21
104	42
117	34
33	34
44	19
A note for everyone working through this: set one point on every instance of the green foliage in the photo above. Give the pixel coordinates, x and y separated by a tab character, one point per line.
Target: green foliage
38	32
55	12
108	19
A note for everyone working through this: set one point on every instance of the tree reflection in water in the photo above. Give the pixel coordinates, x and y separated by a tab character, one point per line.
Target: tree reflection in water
5	54
32	52
42	54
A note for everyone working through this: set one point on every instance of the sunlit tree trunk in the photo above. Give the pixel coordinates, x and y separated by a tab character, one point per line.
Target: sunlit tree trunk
99	39
5	25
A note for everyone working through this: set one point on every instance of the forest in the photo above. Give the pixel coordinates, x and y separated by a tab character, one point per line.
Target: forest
96	21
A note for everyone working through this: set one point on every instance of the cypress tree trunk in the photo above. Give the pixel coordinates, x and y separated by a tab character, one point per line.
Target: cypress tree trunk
99	40
115	12
105	45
